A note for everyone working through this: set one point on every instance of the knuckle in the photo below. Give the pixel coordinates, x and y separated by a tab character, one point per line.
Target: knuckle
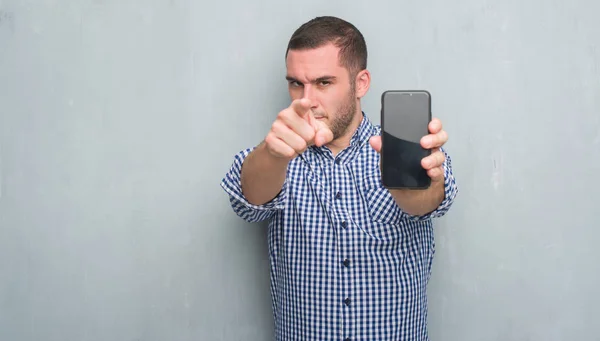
290	153
277	126
437	159
302	145
444	135
283	114
270	140
298	144
434	172
280	115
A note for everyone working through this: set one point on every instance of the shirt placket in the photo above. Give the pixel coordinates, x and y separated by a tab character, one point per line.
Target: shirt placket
341	193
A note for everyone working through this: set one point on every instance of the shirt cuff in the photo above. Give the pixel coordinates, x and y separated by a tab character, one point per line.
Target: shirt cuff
232	185
450	192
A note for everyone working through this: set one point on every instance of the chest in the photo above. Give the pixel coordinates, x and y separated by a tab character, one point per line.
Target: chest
343	191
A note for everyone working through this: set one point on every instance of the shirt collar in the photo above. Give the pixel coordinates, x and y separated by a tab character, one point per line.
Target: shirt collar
363	133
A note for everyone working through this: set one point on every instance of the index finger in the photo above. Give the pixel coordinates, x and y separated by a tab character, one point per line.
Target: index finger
301	106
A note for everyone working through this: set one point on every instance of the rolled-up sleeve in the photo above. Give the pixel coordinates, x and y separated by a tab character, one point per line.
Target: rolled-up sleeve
232	185
450	192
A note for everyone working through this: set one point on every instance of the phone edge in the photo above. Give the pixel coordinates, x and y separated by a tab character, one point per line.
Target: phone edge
381	119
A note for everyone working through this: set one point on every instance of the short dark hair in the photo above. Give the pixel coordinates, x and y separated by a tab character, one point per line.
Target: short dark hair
327	29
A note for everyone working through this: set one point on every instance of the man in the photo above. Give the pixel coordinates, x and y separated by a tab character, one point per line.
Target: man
350	259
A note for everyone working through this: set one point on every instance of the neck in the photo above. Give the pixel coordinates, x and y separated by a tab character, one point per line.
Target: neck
343	141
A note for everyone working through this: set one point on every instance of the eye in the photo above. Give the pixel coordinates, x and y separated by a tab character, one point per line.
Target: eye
294	84
324	83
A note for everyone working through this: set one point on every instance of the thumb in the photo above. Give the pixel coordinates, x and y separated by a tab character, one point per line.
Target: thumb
323	134
375	142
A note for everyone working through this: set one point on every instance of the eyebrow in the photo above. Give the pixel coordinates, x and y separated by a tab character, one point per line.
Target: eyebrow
320	79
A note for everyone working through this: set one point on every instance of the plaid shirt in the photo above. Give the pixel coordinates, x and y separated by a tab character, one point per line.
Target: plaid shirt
346	262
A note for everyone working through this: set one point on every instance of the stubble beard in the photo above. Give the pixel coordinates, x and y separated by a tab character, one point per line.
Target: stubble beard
345	114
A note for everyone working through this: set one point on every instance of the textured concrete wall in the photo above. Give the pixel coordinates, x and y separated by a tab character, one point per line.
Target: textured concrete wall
119	118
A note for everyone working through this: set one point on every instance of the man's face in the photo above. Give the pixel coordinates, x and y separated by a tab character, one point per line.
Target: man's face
317	75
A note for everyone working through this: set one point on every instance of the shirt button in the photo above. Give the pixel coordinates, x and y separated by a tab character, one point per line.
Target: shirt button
346	262
338	195
347	339
347	301
344	224
338	161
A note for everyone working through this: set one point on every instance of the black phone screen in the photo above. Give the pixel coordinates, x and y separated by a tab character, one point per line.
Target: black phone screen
405	116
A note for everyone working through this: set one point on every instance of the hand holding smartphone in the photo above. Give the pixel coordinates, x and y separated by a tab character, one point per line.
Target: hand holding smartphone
405	117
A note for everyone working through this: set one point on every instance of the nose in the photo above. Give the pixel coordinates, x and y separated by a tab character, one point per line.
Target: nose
310	93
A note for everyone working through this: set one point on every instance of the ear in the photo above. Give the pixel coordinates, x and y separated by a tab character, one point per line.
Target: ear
363	82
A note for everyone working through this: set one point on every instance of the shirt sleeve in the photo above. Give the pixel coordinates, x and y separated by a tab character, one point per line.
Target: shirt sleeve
232	185
450	192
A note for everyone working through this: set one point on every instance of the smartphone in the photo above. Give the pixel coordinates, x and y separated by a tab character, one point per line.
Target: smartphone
405	117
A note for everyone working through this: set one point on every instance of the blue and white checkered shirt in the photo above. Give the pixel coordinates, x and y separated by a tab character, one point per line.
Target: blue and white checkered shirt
346	262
